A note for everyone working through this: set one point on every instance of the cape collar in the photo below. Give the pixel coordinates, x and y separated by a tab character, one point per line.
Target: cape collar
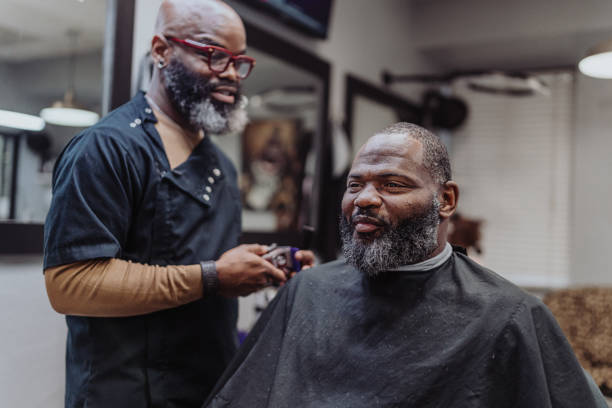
428	264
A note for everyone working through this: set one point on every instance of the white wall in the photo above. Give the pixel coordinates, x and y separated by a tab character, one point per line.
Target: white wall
481	34
521	34
33	337
465	21
591	222
511	160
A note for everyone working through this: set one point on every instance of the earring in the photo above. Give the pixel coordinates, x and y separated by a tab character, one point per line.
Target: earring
160	64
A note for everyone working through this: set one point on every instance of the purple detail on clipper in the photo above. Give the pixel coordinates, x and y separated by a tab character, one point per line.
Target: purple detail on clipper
297	265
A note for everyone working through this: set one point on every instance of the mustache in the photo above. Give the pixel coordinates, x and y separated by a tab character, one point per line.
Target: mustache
224	82
200	86
213	84
362	215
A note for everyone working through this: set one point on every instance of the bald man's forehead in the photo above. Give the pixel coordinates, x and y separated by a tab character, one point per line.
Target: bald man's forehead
400	145
201	20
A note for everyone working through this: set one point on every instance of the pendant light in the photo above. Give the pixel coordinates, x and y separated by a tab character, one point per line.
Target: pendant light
67	112
598	62
20	121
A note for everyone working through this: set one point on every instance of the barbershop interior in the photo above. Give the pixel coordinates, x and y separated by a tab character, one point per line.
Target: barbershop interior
519	92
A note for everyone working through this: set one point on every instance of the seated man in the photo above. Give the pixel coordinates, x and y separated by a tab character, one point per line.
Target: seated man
404	320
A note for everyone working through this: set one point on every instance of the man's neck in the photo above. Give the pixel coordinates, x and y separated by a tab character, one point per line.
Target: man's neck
158	97
430	263
178	142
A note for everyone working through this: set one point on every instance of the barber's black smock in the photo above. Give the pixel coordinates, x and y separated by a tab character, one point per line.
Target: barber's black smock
456	336
114	195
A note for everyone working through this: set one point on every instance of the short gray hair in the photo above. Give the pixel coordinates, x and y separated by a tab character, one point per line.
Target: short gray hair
435	155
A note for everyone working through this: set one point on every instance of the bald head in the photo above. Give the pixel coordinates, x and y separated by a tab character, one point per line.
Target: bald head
433	156
184	85
188	18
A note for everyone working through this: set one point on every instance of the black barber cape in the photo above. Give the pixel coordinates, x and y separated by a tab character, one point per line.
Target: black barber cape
455	336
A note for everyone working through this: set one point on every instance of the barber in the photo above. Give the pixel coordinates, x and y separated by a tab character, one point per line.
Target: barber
141	238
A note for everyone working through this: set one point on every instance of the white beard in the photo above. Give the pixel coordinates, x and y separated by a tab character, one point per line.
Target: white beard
206	116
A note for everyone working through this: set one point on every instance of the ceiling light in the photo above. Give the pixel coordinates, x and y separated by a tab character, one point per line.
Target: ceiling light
67	112
21	121
508	83
598	62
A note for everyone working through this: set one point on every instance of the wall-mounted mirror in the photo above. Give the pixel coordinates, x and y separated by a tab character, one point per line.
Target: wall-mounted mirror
276	154
50	55
54	54
281	156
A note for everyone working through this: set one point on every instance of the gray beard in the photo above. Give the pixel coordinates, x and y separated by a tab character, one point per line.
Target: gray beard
205	115
190	95
411	241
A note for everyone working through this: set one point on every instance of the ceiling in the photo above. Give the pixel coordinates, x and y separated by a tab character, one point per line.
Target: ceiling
34	29
466	34
517	34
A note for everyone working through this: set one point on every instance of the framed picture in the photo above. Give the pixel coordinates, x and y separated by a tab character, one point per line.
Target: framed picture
273	156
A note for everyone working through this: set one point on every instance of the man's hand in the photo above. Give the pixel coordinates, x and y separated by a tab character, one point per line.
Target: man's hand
242	271
306	258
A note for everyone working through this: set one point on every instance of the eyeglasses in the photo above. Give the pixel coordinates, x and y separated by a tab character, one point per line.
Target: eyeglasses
219	58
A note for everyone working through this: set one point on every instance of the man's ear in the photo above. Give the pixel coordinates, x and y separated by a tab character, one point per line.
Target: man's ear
448	197
160	49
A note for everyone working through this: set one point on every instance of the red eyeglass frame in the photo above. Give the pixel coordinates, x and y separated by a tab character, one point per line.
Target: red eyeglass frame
209	49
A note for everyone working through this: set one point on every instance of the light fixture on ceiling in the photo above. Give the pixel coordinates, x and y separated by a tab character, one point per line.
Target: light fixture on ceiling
67	112
598	62
285	98
21	121
508	83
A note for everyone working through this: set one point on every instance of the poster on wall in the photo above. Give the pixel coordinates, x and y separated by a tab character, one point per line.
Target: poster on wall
272	172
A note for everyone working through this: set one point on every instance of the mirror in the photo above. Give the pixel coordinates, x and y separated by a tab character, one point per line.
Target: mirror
43	61
275	155
289	112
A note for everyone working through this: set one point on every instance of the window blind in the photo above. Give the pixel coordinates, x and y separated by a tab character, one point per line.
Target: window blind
511	160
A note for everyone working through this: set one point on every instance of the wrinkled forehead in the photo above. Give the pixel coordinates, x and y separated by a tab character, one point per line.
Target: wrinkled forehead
395	149
391	155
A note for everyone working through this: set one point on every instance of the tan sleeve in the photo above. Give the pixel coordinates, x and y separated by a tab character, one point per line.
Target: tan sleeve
117	288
